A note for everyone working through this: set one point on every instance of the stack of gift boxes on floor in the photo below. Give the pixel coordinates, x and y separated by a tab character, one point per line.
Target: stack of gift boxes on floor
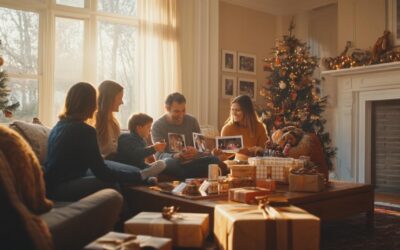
258	218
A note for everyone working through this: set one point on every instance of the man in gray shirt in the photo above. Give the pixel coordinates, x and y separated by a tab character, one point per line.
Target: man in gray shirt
186	163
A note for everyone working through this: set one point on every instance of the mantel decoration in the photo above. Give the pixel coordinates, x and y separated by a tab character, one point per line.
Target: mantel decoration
5	105
382	52
291	94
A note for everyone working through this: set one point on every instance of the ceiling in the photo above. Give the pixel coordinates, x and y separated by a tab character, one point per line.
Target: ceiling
281	7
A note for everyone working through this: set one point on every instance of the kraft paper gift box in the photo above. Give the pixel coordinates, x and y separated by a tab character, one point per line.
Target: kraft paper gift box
247	194
306	182
115	240
245	226
185	229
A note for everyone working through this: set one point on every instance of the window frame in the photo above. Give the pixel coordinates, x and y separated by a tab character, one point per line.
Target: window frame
48	11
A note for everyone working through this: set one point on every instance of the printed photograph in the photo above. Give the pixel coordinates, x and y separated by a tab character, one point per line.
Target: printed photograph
247	87
199	142
247	63
228	61
229	144
176	142
228	86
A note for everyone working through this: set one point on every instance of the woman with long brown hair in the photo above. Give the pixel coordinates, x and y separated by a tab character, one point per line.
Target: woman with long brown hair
74	167
244	121
107	126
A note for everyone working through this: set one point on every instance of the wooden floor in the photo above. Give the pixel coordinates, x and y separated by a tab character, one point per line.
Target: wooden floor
391	198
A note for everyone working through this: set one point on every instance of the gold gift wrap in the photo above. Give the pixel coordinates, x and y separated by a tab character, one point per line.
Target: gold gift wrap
246	194
115	240
185	229
306	182
245	226
243	171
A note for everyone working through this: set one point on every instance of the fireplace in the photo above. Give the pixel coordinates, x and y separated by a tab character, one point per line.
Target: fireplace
385	147
356	90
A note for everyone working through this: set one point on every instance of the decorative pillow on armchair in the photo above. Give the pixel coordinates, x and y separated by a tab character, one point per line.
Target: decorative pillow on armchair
36	135
26	171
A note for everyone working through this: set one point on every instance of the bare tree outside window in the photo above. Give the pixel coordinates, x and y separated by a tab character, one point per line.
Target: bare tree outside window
19	32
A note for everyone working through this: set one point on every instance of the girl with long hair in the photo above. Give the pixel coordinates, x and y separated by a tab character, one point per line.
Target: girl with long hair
107	126
243	120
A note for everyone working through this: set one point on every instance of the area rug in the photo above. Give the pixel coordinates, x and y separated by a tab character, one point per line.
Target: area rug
352	233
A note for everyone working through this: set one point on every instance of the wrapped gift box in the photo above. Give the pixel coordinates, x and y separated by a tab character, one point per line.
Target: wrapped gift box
243	226
246	195
279	167
306	182
185	229
243	171
114	240
237	182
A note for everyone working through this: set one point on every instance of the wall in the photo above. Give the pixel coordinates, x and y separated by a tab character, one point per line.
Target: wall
247	31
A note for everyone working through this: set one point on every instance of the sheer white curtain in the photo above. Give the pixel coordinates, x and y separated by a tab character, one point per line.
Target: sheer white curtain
158	55
198	30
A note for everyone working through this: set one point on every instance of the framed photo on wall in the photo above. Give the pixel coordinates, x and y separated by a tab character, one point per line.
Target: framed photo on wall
228	86
228	61
394	20
247	87
246	63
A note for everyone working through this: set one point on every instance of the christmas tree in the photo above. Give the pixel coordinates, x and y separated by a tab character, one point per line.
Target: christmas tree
5	105
292	94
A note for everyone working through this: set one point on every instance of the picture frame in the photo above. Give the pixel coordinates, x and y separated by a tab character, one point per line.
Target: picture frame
229	86
229	144
228	61
394	20
176	142
248	87
247	63
199	142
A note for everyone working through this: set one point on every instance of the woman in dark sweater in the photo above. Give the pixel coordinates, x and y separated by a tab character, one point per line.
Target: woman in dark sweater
74	167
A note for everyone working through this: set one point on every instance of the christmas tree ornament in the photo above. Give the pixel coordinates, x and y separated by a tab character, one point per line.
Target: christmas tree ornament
1	61
282	85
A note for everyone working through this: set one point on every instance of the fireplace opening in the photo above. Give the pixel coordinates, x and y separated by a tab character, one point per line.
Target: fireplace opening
385	148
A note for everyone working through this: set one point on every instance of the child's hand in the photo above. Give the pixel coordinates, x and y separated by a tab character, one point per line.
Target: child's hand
159	146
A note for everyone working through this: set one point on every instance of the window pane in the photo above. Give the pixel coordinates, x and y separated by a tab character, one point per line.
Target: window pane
116	60
68	58
72	3
19	36
24	91
121	7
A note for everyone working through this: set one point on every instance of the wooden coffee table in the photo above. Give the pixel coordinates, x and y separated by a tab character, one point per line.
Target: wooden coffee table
339	200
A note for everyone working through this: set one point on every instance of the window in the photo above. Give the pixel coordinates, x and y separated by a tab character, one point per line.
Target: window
52	44
19	33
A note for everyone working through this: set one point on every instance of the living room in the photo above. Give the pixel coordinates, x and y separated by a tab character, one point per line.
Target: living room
154	48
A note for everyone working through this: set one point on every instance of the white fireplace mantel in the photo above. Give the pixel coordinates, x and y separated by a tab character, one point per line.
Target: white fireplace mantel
357	88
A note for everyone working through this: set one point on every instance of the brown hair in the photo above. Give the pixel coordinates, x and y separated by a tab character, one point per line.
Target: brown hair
108	90
175	97
80	102
250	117
139	119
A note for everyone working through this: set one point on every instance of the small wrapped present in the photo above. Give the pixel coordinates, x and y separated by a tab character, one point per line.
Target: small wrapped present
241	171
247	194
185	229
114	240
237	182
276	168
306	182
243	226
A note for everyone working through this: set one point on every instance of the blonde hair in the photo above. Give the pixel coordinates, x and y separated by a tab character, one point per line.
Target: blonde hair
80	102
105	119
250	117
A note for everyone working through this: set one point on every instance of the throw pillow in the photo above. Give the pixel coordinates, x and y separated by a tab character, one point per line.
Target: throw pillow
36	135
19	228
26	171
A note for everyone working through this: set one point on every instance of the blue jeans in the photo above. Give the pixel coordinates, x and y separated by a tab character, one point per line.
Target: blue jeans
197	168
79	188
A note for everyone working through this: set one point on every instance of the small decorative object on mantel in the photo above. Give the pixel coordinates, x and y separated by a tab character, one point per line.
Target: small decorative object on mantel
382	52
5	105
